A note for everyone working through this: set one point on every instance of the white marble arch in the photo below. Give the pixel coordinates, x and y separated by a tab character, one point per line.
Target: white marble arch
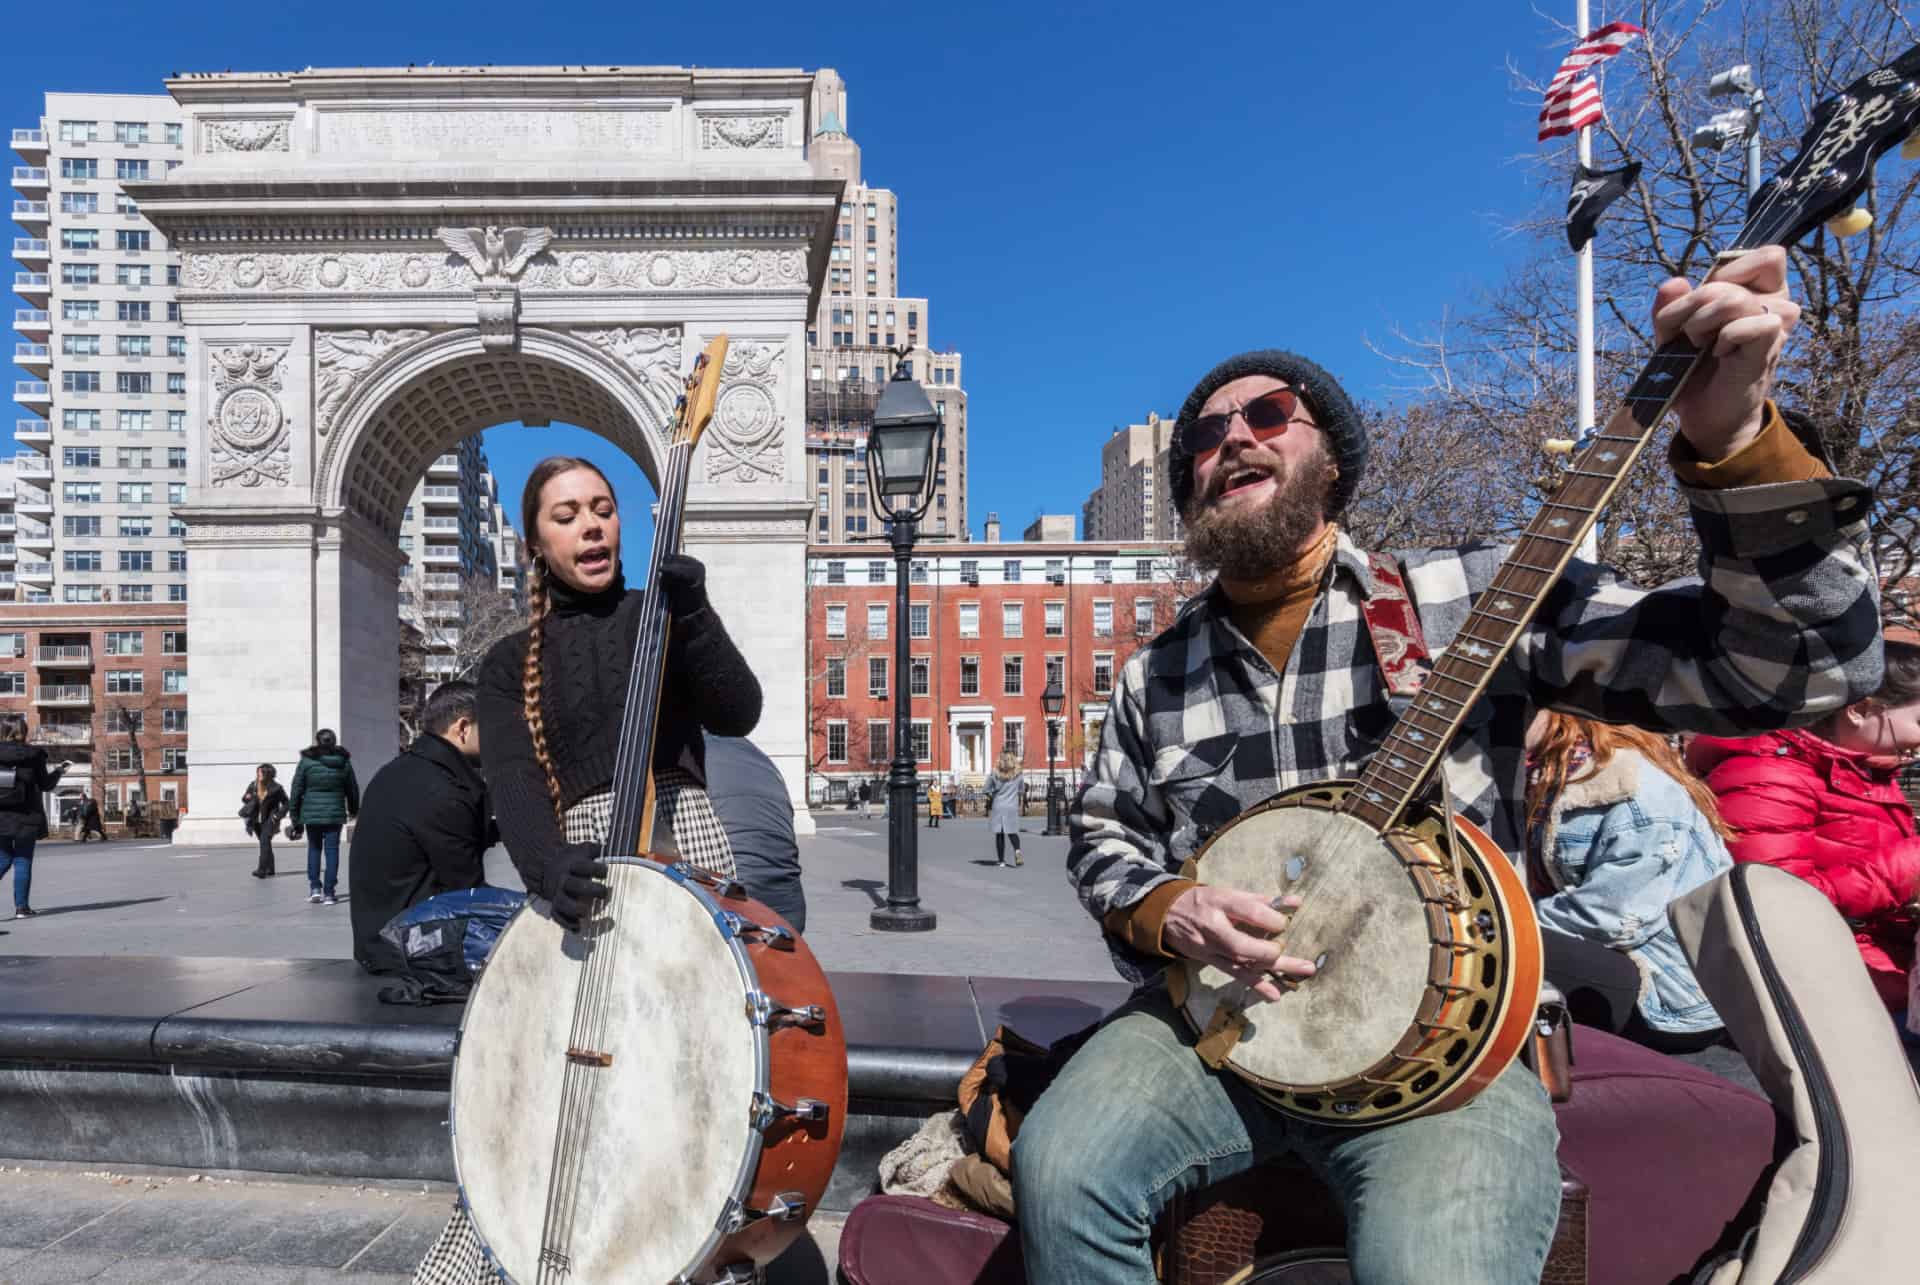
376	263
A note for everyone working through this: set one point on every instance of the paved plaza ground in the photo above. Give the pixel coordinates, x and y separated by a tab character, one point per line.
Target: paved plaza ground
139	897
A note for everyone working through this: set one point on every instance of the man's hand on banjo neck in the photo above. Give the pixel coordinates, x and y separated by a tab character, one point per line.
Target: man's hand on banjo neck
1234	931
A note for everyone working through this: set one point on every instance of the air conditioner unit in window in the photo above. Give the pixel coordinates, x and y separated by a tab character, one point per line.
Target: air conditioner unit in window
1104	577
1056	577
970	577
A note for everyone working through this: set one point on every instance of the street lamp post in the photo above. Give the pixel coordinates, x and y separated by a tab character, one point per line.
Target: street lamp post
1052	700
900	458
1729	127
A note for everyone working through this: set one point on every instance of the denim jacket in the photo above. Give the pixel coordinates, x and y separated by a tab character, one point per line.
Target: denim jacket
1618	846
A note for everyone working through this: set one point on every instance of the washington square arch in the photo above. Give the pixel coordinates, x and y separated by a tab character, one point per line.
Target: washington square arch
376	264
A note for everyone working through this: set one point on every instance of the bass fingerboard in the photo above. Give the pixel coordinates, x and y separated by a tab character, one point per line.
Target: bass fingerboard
1397	773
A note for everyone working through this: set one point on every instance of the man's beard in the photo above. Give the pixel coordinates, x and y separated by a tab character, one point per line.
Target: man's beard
1250	542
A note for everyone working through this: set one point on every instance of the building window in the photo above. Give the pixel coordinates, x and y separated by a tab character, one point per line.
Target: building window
1057	671
920	734
176	421
920	620
919	676
132	274
918	575
80	238
13	682
1013	740
126	682
72	526
79	167
176	457
176	593
176	493
129	131
1010	569
1143	570
80	492
80	457
13	645
173	682
969	620
135	346
135	457
837	620
127	170
80	559
136	593
176	382
79	131
876	620
836	677
969	675
80	421
135	239
82	593
836	742
877	748
173	758
134	381
836	573
176	345
120	760
876	573
1012	674
1103	619
136	493
1056	619
173	720
133	421
876	675
1102	672
173	642
126	642
176	559
1012	619
79	381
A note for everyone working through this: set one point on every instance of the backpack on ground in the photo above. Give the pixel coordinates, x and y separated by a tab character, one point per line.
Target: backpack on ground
1782	969
444	942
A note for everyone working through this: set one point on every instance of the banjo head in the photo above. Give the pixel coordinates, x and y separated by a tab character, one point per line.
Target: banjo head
669	1146
1361	919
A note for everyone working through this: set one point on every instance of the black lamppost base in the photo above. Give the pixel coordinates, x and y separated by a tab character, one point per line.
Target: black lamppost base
902	919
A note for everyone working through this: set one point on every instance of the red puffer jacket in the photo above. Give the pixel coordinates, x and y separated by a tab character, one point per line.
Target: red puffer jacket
1833	817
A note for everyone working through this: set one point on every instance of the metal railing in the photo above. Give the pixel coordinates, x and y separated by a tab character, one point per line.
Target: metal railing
32	281
64	654
31	428
29	138
30	245
440	492
65	734
34	174
66	694
32	317
35	568
8	522
29	209
31	388
441	581
29	352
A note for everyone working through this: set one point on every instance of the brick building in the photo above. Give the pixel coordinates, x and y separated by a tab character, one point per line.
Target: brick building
104	684
989	626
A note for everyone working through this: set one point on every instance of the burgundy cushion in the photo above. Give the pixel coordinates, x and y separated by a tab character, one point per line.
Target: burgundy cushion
893	1239
1671	1154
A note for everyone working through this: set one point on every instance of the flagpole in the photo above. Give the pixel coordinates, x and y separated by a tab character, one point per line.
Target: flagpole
1590	546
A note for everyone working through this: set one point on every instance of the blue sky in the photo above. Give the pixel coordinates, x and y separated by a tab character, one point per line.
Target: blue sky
1099	200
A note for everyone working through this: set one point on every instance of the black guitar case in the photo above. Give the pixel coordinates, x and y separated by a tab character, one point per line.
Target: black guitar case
1781	967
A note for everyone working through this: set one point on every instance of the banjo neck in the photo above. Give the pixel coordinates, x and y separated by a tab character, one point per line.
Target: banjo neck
630	826
1400	769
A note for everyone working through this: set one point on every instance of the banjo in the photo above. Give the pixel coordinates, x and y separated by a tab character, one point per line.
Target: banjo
659	1097
1429	954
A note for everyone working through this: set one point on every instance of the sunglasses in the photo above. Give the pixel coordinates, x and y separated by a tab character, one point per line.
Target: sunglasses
1267	417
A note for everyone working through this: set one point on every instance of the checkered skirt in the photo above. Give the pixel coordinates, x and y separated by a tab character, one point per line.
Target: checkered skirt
685	814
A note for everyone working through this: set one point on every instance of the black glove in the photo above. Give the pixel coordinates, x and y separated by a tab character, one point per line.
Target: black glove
572	881
684	581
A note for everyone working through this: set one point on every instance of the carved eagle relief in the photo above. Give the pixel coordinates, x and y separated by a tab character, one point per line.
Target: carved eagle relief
493	252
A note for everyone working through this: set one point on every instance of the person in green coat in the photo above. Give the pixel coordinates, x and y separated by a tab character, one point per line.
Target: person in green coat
325	794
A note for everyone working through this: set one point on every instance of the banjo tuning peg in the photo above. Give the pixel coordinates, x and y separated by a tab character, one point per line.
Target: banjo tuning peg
1852	223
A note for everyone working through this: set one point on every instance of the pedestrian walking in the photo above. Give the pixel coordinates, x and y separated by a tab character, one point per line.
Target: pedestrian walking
866	798
1003	812
23	816
325	794
935	801
262	806
87	819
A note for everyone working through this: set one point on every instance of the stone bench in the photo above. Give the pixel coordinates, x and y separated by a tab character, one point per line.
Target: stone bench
294	1066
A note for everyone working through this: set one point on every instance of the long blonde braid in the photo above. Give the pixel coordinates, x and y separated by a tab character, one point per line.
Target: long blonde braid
530	681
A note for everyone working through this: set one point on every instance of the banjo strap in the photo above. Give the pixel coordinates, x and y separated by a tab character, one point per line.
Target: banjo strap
1399	646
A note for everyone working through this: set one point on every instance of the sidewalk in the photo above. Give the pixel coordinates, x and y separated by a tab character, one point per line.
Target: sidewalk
65	1225
144	897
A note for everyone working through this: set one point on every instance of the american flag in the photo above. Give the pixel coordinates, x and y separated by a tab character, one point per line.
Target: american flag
1573	96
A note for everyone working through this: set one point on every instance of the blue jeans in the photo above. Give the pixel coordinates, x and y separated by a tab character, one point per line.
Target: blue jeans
327	836
18	852
1136	1117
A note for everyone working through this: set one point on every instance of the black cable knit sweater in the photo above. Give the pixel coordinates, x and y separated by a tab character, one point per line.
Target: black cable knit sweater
585	658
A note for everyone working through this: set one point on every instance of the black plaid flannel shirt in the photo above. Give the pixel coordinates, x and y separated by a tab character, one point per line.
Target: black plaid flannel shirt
1780	627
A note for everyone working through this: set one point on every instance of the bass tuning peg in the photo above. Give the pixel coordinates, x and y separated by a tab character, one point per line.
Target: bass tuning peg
1852	223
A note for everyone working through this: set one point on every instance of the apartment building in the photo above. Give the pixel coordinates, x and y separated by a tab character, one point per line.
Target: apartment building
990	626
104	685
861	324
454	533
101	443
1134	500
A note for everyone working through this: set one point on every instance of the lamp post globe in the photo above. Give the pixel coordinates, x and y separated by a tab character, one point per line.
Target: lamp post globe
901	449
1052	701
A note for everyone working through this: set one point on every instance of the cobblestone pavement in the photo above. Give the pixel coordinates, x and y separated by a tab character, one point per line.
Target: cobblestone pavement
139	897
61	1225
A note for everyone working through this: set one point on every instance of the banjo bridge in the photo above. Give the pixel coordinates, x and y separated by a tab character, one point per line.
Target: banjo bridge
589	1057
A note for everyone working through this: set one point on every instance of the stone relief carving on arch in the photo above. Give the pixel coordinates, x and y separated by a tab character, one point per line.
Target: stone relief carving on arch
653	354
437	270
342	358
244	135
249	444
743	131
747	438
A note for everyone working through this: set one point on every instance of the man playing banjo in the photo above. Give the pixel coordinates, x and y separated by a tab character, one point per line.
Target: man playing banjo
1269	680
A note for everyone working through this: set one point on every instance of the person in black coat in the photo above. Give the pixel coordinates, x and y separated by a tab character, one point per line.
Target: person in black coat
23	817
90	818
750	798
425	826
263	804
553	696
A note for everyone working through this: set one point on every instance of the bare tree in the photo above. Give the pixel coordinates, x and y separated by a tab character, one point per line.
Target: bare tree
127	717
1504	367
446	630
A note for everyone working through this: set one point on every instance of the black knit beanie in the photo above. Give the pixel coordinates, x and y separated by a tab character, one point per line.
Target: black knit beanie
1333	410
